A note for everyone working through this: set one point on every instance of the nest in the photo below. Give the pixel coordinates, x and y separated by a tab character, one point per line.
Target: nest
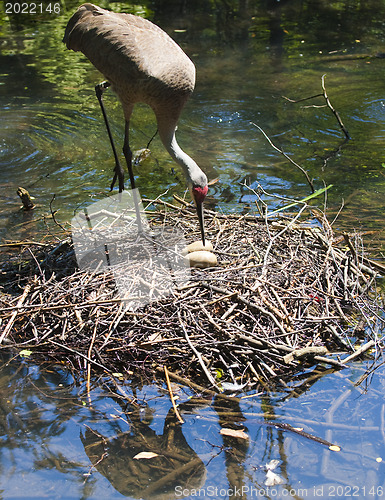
285	296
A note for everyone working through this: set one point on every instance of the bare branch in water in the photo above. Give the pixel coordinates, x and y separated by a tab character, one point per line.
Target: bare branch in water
328	104
310	182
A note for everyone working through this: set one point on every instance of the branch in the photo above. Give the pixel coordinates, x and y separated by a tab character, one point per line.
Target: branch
177	414
198	355
328	103
11	321
286	156
344	129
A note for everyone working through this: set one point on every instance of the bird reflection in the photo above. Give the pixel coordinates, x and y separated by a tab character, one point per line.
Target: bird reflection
174	466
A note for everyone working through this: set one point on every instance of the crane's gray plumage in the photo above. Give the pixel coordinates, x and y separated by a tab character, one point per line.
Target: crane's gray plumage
142	64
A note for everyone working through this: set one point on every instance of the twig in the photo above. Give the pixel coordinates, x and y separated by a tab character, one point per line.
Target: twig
288	427
286	228
62	346
344	129
90	353
177	414
197	387
198	355
24	243
286	156
54	212
65	305
380	268
364	348
249	304
295	101
9	325
328	104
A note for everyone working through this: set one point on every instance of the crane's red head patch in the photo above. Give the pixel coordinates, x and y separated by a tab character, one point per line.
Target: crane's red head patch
199	193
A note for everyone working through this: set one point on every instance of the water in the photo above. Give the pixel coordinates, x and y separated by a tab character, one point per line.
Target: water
53	140
53	424
53	143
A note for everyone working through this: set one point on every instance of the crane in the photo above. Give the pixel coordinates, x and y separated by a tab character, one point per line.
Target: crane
141	64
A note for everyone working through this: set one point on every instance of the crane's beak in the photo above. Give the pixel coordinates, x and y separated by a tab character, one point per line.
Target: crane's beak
199	207
198	194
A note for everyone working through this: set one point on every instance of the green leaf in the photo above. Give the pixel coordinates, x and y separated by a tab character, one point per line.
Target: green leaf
313	195
25	353
219	373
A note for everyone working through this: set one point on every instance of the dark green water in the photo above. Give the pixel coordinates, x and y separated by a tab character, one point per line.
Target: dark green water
52	142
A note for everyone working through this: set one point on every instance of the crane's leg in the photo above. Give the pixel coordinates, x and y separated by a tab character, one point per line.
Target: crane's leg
118	171
150	141
128	156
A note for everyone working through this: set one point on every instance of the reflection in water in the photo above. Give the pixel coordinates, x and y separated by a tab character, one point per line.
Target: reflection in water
230	416
43	412
248	54
175	467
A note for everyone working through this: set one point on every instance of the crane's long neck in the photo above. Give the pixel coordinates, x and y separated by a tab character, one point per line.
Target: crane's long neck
196	178
190	168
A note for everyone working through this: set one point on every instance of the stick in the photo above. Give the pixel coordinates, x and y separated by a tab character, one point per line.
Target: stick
177	414
197	387
344	129
328	103
80	354
54	212
89	354
9	325
66	306
24	243
198	355
359	351
380	268
246	302
307	435
287	157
